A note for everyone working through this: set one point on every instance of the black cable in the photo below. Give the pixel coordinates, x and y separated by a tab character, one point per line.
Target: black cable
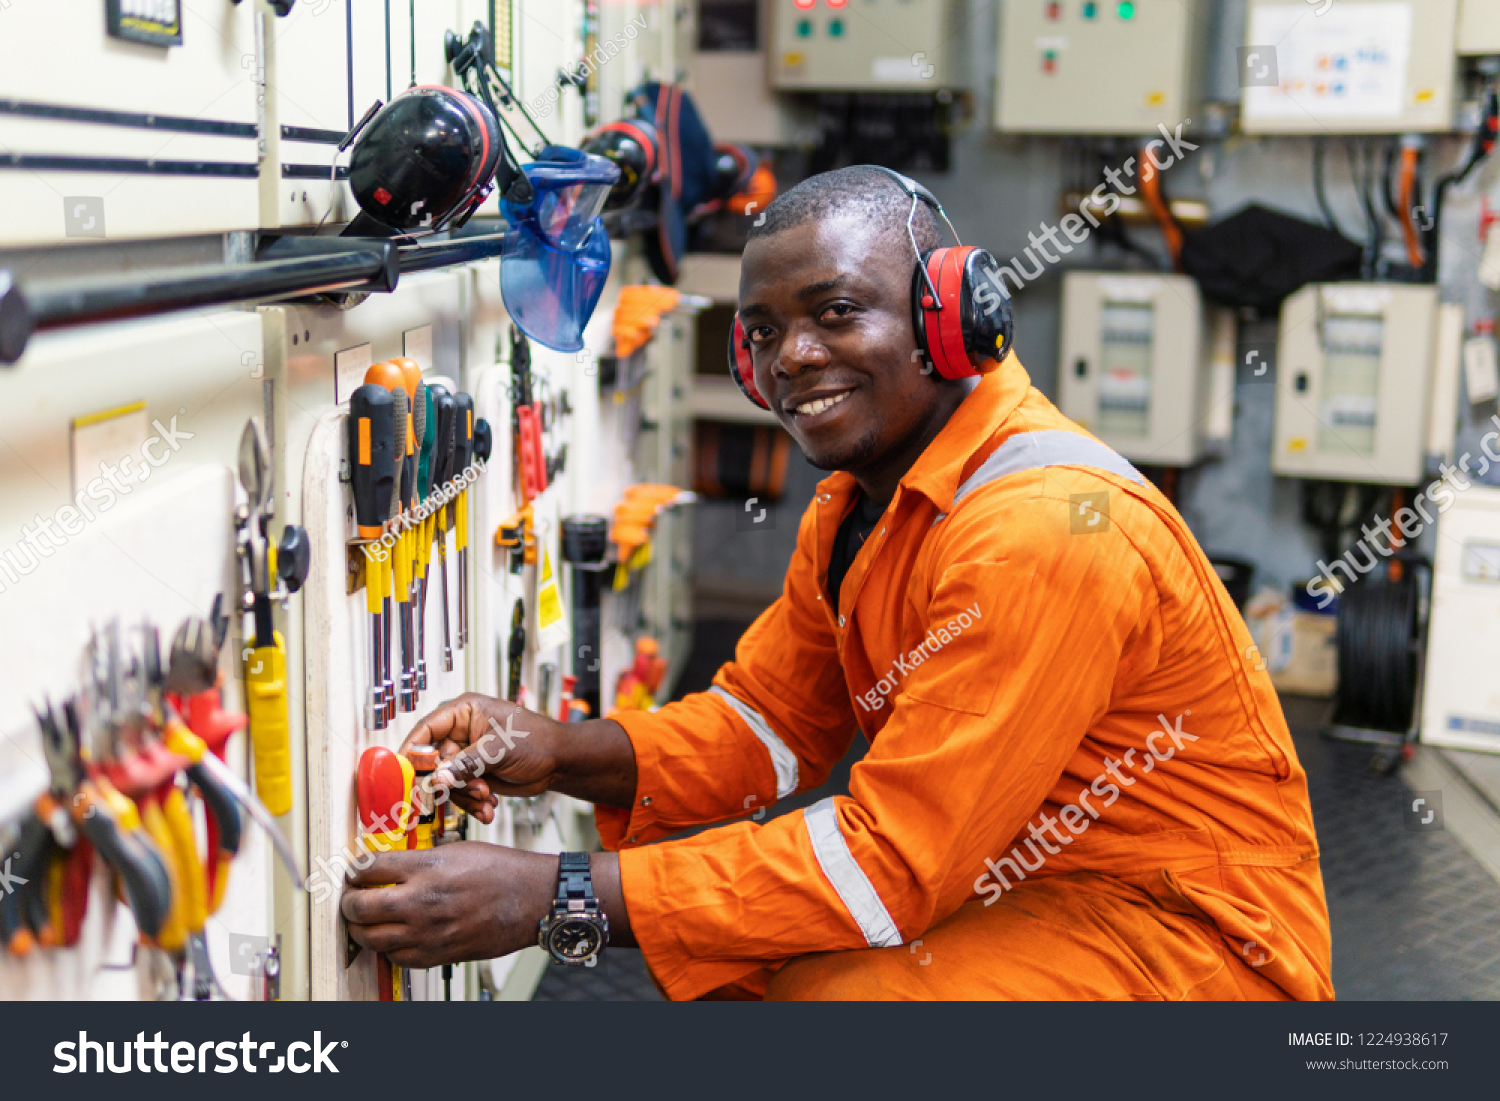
413	18
1483	144
1319	188
1378	634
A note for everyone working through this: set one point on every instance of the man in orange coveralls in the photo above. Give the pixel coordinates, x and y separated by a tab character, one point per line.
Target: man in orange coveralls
1079	782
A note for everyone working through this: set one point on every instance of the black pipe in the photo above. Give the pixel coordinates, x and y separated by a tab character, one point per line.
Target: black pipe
461	250
287	267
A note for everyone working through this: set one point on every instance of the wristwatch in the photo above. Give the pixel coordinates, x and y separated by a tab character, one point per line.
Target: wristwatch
576	930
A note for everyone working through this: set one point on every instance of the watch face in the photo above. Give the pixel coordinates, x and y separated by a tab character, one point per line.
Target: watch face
574	941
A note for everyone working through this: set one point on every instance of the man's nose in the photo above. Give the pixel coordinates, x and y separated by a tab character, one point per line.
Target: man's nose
801	350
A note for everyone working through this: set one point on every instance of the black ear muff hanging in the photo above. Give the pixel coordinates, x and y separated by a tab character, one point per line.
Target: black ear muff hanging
741	368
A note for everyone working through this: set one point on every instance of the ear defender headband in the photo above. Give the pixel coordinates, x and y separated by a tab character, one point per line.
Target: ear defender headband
960	332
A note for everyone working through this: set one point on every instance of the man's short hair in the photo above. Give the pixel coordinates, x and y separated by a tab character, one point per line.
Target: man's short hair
858	189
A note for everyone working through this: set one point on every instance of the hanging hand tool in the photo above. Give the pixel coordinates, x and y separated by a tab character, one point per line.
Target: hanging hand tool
389	376
193	663
515	651
108	819
373	469
265	663
188	676
445	409
383	796
463	456
420	404
424	536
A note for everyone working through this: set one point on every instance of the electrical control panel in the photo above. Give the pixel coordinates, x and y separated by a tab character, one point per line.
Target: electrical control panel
1371	67
864	45
110	139
1134	369
1098	66
1461	694
1354	369
1478	27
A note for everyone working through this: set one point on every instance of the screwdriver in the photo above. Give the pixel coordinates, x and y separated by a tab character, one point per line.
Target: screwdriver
372	464
424	535
400	562
383	791
390	377
416	390
445	409
463	445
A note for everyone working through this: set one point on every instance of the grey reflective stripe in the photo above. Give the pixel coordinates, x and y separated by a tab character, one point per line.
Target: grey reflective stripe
783	760
1052	447
847	877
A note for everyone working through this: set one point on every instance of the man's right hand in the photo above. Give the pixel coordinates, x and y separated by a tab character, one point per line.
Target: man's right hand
489	748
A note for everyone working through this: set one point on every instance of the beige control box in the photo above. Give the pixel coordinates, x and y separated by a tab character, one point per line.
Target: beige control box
1132	368
1366	67
1354	366
864	45
1099	66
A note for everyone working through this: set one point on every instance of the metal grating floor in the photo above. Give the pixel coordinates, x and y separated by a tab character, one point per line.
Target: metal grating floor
1415	916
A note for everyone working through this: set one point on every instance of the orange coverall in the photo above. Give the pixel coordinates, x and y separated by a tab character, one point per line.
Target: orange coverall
1079	784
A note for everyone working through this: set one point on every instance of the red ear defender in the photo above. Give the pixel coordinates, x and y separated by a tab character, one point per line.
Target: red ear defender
740	366
970	322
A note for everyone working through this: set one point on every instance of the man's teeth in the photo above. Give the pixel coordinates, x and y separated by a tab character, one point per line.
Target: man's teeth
813	408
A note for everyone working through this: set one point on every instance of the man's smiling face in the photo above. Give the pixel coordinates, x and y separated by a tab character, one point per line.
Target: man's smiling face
826	306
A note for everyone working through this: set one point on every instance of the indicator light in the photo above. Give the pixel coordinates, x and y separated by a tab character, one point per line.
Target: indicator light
1126	9
836	29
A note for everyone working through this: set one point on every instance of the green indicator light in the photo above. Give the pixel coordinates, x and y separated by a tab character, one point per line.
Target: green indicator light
1126	9
836	28
1090	10
804	28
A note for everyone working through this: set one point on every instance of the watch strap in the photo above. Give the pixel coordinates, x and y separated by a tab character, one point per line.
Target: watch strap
574	883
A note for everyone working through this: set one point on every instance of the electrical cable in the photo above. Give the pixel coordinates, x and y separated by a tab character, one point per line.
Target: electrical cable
1151	193
1320	153
1411	199
1485	134
1378	650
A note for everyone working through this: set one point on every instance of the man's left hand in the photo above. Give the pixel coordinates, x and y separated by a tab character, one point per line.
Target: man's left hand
461	901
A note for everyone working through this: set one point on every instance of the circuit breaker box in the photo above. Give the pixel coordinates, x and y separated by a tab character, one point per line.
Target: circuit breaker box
1133	366
1354	366
1106	67
1372	67
1478	27
1461	694
864	45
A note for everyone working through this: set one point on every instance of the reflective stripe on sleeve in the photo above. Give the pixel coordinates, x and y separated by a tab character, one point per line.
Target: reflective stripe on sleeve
1051	447
847	877
783	760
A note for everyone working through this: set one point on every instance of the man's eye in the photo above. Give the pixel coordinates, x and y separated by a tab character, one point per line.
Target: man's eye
839	310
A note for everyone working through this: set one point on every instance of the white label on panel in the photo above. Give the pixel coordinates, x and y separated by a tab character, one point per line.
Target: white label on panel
417	344
1346	62
349	367
1481	562
106	438
899	70
1480	369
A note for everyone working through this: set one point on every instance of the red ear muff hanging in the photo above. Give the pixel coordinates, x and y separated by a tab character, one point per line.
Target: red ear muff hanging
970	322
741	369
